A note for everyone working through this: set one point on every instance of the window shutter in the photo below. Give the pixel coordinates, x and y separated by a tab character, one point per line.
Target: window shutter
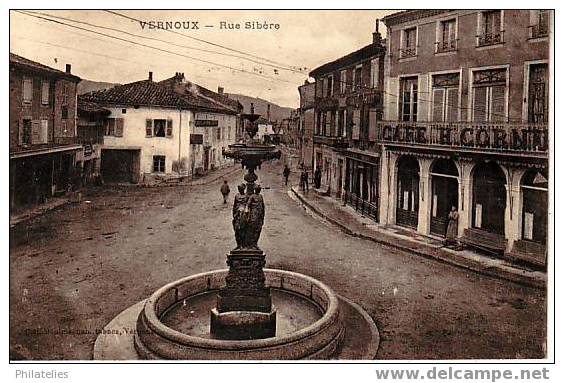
452	105
119	127
356	124
45	92
498	103
479	104
438	104
27	90
372	117
169	128
149	127
422	112
44	132
35	132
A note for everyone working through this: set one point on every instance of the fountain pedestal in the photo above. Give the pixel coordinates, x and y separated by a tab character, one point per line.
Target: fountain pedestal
244	306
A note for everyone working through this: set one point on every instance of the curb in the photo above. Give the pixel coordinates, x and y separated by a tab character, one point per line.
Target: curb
436	254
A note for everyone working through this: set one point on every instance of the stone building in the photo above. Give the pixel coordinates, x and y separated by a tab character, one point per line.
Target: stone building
348	104
306	123
159	128
43	143
466	126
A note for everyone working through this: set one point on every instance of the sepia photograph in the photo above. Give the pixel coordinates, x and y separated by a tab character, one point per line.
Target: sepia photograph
281	185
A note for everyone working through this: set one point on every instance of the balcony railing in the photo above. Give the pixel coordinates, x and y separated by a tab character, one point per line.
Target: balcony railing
408	52
487	39
539	30
55	143
509	137
332	141
446	46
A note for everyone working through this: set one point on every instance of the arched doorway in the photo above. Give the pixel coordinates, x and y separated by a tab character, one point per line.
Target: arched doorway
489	198
534	185
407	204
444	194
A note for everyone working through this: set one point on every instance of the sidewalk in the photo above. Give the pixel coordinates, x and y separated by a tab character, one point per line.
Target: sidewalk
54	203
352	223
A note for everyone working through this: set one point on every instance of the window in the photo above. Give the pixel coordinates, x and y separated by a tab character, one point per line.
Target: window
357	77
158	128
159	163
330	86
488	88
27	90
45	93
447	36
114	127
64	112
374	73
229	133
445	97
327	130
341	123
539	23
409	42
43	132
490	29
26	134
343	81
538	93
408	99
124	111
65	94
218	133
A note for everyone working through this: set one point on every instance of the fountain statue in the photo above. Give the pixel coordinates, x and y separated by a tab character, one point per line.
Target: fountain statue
244	306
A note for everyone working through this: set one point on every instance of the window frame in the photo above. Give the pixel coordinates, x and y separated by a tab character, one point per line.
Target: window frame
470	115
480	28
48	91
403	47
432	93
160	161
28	80
439	34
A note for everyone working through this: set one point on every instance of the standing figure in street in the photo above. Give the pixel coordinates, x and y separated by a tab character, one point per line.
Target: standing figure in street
452	228
239	216
306	181
225	191
286	174
317	178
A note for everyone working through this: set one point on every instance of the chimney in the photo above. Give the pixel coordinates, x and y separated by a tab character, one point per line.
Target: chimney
220	89
150	76
68	68
268	112
376	36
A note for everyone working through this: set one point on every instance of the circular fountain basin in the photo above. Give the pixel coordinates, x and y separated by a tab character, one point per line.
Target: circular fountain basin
174	323
312	323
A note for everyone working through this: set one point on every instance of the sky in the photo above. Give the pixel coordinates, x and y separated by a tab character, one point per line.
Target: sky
282	57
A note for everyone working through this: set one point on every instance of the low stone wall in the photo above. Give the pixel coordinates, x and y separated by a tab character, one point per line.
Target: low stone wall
320	340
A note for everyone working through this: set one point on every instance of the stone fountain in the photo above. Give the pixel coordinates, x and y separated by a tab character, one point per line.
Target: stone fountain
246	312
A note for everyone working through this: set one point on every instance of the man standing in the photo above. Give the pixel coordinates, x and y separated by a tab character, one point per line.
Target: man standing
306	181
286	173
225	191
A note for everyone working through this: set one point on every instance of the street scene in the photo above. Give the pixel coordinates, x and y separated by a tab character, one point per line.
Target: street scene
387	199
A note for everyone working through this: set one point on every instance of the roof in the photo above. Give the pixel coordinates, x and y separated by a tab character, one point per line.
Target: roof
31	65
410	15
152	94
356	56
179	83
87	108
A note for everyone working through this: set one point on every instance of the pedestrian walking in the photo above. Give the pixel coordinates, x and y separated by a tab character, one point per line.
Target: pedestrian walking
225	191
306	181
286	173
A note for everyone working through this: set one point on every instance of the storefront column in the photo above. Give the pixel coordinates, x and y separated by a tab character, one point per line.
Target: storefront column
388	187
424	216
514	208
465	196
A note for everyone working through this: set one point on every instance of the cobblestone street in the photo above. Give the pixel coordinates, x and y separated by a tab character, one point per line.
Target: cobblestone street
76	267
